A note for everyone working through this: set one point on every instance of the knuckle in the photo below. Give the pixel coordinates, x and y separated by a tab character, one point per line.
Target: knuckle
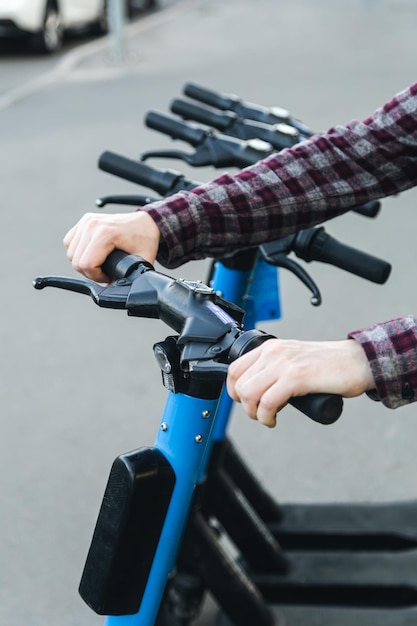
268	405
243	392
231	372
91	222
82	265
77	266
89	216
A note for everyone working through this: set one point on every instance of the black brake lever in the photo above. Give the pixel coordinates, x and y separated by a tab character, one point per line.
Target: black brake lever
78	285
131	200
369	209
200	158
275	253
219	153
211	148
107	296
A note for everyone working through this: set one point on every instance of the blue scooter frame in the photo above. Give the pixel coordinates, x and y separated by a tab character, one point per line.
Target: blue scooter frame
148	499
187	431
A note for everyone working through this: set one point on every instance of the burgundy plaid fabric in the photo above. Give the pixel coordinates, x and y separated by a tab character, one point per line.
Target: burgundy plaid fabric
296	188
391	349
314	181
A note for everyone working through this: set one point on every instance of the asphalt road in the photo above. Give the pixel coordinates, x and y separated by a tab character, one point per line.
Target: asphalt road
78	384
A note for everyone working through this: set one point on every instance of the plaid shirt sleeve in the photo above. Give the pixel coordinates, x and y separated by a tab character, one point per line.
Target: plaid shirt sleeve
391	349
314	181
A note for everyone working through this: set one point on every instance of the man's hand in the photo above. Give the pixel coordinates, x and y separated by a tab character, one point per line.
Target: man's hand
92	239
264	379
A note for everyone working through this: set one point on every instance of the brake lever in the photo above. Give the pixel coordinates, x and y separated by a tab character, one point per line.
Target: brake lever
131	200
107	296
275	253
200	158
218	151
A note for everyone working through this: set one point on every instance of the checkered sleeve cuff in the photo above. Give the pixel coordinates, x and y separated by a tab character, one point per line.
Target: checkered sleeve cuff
391	349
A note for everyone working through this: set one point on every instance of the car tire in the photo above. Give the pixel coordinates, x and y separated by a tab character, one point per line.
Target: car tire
50	38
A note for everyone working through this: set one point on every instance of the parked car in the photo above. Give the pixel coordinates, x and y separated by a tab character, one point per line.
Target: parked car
45	22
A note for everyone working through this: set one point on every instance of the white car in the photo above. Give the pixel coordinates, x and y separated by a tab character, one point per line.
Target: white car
45	21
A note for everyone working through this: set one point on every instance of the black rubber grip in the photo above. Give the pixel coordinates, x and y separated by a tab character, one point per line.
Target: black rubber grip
369	209
210	97
190	111
174	128
160	181
119	264
130	200
326	249
324	408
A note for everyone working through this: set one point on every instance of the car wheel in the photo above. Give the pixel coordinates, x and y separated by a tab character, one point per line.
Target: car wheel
51	37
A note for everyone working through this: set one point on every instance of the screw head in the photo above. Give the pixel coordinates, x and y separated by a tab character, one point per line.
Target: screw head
206	414
198	438
164	426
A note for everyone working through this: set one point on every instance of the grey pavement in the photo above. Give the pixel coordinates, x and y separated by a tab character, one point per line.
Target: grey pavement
78	384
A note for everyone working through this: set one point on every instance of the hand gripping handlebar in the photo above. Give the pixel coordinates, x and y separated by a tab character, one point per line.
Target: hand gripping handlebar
210	332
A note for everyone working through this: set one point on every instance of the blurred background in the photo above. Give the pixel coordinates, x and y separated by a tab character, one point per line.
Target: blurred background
79	385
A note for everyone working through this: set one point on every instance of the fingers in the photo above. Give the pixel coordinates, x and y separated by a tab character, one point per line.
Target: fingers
95	236
265	379
88	246
254	384
270	404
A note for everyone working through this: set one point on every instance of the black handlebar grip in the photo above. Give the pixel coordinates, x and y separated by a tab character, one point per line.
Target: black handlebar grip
190	111
326	249
210	97
174	128
324	408
369	209
119	264
160	181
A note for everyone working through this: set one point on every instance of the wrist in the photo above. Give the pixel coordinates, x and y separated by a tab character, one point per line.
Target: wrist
364	378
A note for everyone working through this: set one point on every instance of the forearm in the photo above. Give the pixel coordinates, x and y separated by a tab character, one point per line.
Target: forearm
297	188
391	350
